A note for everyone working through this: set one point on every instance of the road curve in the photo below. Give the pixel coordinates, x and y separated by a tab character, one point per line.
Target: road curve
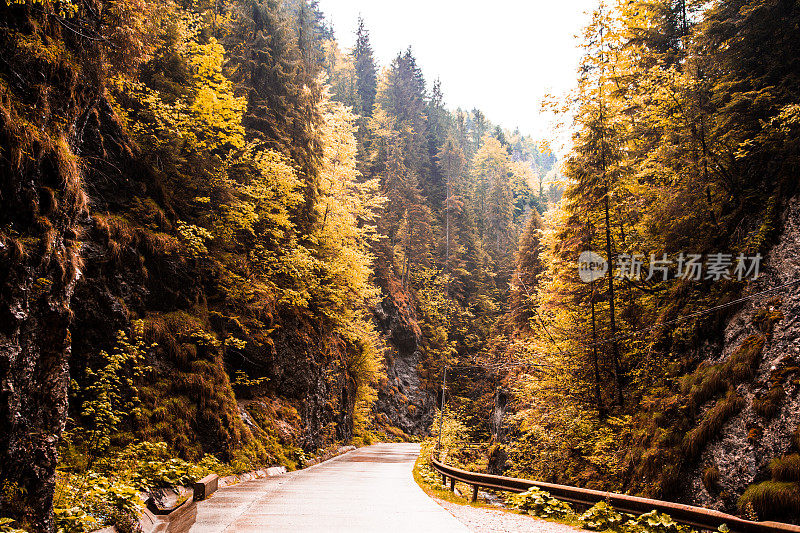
369	489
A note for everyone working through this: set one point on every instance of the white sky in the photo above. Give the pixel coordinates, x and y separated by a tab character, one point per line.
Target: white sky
500	56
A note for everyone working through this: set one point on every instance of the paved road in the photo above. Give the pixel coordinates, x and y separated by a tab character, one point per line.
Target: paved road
369	489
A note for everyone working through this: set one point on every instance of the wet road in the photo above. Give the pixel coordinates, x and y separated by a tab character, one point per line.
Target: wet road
369	489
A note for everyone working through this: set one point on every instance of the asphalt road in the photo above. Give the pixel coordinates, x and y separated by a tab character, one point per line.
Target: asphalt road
369	489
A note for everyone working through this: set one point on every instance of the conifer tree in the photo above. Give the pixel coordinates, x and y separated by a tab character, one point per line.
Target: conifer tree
529	268
451	162
366	71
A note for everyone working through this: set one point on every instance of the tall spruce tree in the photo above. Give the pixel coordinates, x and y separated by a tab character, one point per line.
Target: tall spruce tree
366	71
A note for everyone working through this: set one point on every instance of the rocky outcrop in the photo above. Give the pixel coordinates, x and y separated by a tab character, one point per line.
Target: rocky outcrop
402	401
44	102
499	407
762	430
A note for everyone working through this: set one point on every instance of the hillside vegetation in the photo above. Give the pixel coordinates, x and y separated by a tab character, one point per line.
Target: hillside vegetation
226	242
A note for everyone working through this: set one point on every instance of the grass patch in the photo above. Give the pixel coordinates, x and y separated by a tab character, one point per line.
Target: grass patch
786	468
771	500
673	430
711	424
711	478
768	405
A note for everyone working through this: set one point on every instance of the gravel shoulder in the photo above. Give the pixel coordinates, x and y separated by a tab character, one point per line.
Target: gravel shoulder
487	520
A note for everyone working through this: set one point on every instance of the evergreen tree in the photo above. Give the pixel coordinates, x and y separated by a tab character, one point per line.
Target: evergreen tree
451	162
366	71
530	267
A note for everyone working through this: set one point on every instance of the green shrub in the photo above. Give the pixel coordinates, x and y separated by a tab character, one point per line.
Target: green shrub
74	520
174	472
541	503
655	522
455	431
429	475
110	398
90	501
102	492
602	517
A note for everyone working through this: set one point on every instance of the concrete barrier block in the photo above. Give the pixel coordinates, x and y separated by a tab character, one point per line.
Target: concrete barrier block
205	487
276	470
148	521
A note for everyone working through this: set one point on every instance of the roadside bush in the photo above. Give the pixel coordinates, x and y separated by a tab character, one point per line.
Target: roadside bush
74	520
602	517
655	522
541	503
7	527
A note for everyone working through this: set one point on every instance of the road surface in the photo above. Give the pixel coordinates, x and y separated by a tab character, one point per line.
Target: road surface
369	489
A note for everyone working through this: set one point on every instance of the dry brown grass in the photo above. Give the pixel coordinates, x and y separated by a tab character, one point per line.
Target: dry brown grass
768	405
711	424
74	197
786	468
711	477
771	500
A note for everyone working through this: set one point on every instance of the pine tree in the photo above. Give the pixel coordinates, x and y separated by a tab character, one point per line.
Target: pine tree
312	34
529	268
451	162
366	71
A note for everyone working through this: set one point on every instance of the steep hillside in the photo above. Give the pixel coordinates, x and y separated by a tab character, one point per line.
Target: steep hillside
664	371
403	399
182	279
752	445
45	98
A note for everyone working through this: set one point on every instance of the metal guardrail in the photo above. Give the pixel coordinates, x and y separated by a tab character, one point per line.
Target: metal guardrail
697	517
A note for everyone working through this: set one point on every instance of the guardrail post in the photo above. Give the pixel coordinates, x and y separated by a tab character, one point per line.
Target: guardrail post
444	480
453	484
474	493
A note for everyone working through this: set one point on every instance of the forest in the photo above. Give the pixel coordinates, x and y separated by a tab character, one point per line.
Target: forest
227	242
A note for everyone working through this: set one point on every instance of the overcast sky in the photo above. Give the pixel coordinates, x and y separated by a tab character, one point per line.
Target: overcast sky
500	56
